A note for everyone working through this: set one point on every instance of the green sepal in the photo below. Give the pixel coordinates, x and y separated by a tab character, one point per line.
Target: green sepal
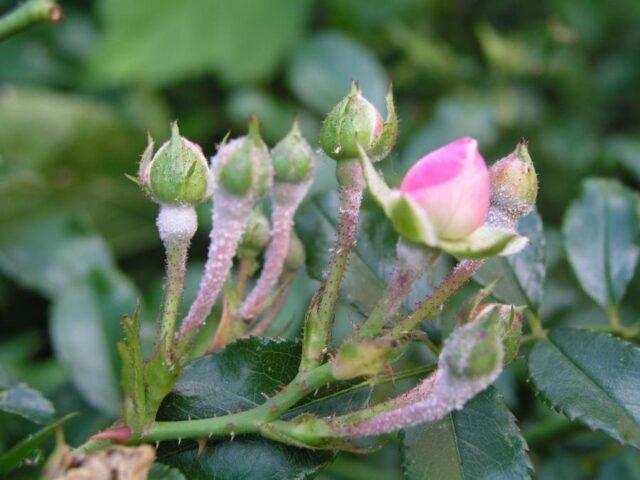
485	242
408	220
389	135
132	376
145	384
469	307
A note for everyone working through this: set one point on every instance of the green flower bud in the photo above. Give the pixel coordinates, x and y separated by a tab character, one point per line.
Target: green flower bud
362	357
256	235
514	183
354	120
243	166
292	157
297	255
178	173
475	349
509	326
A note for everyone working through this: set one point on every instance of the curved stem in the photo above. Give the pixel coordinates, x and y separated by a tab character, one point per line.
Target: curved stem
413	260
319	317
428	309
274	308
27	14
245	422
286	198
230	216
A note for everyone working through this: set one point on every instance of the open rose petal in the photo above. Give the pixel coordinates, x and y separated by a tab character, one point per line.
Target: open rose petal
452	185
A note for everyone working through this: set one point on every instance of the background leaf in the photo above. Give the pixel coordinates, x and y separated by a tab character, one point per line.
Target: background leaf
22	400
481	441
521	276
167	41
42	253
590	377
601	231
85	327
322	67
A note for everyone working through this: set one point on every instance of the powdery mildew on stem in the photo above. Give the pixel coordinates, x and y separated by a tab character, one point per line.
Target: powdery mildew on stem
443	392
286	198
230	216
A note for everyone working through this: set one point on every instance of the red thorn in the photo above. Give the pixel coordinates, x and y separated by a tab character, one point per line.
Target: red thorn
122	434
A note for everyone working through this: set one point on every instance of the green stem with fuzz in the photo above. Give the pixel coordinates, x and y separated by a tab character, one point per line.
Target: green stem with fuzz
412	261
432	305
176	252
27	14
319	317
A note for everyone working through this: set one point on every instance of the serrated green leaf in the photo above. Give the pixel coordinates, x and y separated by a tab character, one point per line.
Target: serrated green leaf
13	458
22	400
520	276
478	442
239	377
601	231
591	377
85	328
323	66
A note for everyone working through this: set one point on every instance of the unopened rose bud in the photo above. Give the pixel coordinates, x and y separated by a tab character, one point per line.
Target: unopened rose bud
292	158
451	185
296	256
256	235
514	183
354	120
509	326
243	166
357	358
178	173
475	349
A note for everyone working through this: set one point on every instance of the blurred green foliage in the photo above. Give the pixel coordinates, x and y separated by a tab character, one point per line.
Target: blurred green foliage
77	98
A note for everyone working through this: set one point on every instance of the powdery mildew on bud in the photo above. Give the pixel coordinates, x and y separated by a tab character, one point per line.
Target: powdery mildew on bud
286	198
441	393
176	223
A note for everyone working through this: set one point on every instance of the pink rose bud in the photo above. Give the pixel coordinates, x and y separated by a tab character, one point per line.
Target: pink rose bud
451	184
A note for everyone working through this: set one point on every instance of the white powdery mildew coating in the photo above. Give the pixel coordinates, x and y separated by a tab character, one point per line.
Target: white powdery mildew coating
230	217
176	223
286	198
440	394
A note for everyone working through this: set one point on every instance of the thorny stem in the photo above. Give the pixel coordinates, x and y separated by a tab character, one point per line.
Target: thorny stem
431	306
27	14
319	317
244	422
413	260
